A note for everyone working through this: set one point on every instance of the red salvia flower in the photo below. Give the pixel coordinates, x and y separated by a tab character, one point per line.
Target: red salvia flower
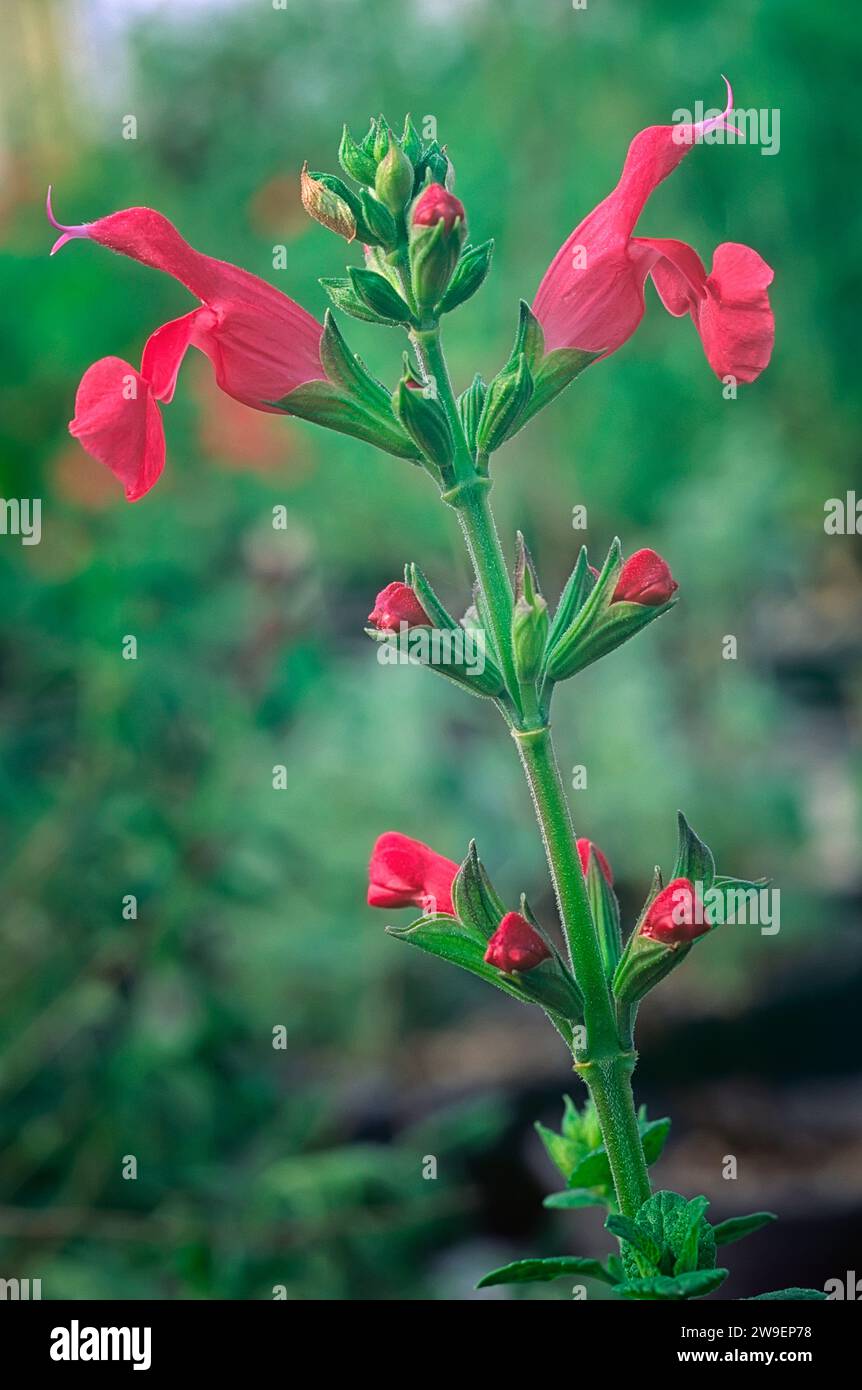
584	847
645	578
397	604
516	945
406	873
592	294
676	916
261	345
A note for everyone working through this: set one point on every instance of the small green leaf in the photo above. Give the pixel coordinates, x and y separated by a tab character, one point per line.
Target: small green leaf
638	1238
534	1271
738	1227
343	368
787	1294
574	1200
663	1288
694	859
688	1256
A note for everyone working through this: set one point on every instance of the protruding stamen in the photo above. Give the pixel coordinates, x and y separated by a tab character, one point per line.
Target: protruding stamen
69	233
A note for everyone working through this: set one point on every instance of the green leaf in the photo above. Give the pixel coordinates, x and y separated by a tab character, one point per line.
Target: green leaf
329	406
694	859
469	275
638	1238
663	1288
574	1200
787	1294
688	1257
329	201
475	900
738	1227
668	1219
378	295
534	1271
653	1135
464	945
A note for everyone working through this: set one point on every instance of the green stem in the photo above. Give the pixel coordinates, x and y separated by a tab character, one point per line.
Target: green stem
604	1065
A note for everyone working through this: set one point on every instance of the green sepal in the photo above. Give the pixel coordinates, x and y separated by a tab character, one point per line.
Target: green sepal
434	167
553	371
645	962
505	402
738	1227
377	226
574	1200
469	276
475	900
491	681
694	859
787	1294
577	588
382	135
434	253
378	295
393	181
606	914
542	1271
484	684
465	946
666	1288
470	404
329	201
600	625
343	368
529	616
411	142
344	297
354	160
425	421
331	407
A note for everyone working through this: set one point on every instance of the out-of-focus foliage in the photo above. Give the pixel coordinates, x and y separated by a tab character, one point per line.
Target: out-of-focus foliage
152	1037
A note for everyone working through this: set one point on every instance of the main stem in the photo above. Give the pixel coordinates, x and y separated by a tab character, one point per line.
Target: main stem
602	1063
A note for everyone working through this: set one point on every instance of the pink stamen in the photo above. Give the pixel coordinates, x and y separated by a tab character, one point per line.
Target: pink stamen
69	233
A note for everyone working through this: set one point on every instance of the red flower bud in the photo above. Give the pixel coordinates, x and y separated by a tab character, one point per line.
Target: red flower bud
645	578
406	873
584	847
436	202
676	916
516	945
397	604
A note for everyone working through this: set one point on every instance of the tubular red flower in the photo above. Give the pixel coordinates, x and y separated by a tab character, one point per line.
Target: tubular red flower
261	344
584	847
516	945
435	202
676	916
397	604
645	578
592	294
405	872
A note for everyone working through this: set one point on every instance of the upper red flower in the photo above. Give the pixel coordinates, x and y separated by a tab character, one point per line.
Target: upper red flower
676	916
592	294
435	202
584	847
516	945
645	578
261	345
397	604
405	873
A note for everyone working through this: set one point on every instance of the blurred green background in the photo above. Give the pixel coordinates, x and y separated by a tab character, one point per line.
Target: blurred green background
152	1037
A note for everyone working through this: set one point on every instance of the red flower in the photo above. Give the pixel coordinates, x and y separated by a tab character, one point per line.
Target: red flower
516	945
591	296
261	345
584	847
436	202
405	873
676	916
645	578
397	604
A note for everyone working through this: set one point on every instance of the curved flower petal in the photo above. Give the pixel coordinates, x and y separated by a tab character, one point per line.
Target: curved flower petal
167	346
117	421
